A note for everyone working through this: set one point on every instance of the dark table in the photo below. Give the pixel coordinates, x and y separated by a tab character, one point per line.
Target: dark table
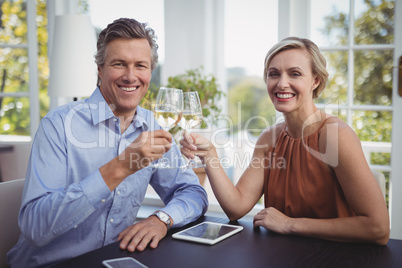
251	248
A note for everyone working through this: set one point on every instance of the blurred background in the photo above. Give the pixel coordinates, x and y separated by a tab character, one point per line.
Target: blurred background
226	39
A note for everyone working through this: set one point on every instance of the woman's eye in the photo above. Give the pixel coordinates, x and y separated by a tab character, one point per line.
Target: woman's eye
273	74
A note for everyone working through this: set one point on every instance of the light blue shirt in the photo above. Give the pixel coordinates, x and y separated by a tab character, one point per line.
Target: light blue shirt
67	208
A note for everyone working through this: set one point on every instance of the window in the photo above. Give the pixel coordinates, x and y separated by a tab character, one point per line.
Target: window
362	42
21	67
357	38
103	12
249	34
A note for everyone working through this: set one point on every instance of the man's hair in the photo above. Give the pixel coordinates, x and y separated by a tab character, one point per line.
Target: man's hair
318	62
127	29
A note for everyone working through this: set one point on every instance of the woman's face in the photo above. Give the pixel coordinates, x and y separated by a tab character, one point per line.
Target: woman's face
290	81
126	74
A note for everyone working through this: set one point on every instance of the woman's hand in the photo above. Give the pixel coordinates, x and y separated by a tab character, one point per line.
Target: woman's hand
196	145
273	220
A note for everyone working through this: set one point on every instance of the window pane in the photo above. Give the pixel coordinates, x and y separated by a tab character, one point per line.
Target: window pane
340	113
249	106
374	22
14	116
373	77
336	90
373	125
13	24
13	70
256	20
387	175
330	22
380	158
104	12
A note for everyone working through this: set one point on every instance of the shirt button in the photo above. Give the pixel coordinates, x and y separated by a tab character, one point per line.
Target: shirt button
103	200
118	192
75	226
111	220
114	119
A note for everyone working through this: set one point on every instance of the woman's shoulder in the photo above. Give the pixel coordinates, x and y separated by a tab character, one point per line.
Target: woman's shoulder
335	126
269	135
335	130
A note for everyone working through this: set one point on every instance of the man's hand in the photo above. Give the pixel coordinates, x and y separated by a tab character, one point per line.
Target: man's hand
138	236
148	147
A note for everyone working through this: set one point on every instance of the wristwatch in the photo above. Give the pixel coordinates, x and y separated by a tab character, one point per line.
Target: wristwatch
163	217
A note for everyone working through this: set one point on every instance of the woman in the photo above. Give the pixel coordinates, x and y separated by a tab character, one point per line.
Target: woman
323	186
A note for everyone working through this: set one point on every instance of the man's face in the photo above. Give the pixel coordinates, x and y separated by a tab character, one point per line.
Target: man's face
126	74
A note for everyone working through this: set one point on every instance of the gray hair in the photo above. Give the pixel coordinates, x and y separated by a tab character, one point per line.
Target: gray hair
128	29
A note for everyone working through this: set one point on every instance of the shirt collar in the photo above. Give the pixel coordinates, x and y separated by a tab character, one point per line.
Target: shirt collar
140	118
101	111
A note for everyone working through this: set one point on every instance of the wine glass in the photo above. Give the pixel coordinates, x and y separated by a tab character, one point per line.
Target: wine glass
191	117
167	112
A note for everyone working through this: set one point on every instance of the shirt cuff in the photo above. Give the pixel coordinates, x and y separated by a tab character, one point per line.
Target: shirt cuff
95	189
174	213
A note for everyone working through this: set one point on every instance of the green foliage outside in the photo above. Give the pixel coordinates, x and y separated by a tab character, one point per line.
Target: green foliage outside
192	80
250	107
207	88
372	70
372	81
14	111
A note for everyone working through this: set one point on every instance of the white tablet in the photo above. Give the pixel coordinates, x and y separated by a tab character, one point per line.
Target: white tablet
208	232
126	262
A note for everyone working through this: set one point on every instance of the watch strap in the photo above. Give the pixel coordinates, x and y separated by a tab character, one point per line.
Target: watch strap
166	221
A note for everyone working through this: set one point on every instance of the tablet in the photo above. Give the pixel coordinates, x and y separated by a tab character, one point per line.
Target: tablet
126	262
208	232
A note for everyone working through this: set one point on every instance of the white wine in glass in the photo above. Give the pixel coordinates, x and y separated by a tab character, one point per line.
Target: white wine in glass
167	119
189	121
167	112
191	117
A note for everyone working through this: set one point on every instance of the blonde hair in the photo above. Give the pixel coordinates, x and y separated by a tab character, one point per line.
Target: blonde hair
318	62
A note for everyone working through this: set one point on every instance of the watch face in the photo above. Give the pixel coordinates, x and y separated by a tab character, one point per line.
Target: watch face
163	217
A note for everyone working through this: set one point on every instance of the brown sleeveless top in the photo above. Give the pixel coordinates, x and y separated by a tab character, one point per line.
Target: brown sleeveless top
299	184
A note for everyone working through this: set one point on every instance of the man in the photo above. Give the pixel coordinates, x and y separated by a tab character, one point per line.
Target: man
88	173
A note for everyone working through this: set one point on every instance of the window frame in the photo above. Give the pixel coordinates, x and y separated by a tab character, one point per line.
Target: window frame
33	77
